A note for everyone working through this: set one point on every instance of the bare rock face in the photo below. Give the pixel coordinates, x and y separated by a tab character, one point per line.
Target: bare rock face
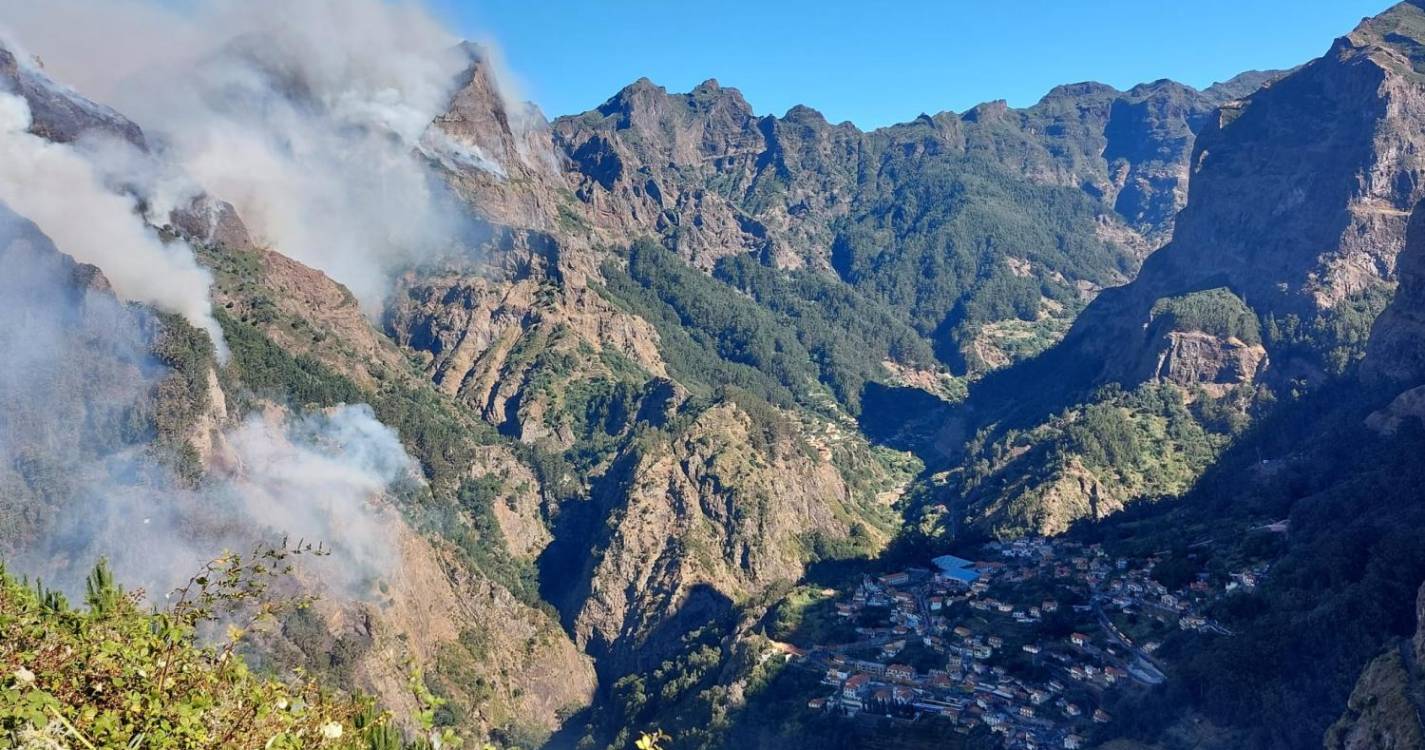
58	113
208	220
519	508
703	520
485	332
1194	357
1395	353
647	162
435	610
1409	405
1419	642
1384	711
498	152
1299	202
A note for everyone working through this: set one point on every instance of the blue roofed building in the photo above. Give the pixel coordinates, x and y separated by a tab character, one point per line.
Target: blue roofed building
956	569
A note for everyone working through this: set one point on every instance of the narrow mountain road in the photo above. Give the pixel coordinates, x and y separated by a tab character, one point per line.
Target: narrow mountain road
1142	668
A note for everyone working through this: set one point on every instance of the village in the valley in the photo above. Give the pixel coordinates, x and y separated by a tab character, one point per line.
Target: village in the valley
1027	643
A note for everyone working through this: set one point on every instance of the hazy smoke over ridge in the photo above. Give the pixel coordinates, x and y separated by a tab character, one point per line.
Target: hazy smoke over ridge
56	187
304	115
315	478
79	479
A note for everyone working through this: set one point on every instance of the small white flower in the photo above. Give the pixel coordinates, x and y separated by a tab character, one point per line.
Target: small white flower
24	677
331	730
281	704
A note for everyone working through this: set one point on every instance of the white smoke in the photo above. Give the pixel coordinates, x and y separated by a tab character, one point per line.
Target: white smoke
80	480
319	478
305	115
55	186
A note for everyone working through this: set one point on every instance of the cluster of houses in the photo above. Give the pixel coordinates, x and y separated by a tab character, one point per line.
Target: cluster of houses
987	652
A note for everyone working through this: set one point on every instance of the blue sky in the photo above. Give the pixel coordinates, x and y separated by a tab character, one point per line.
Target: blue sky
879	63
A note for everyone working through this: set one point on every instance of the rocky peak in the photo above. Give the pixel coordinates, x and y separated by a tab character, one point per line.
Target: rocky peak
1079	91
803	115
986	111
57	112
1242	84
490	130
498	152
1300	195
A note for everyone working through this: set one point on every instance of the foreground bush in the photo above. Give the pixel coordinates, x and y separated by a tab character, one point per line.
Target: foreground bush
115	674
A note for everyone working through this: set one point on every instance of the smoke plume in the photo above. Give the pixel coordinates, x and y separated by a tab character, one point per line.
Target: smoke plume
80	479
57	187
318	477
306	116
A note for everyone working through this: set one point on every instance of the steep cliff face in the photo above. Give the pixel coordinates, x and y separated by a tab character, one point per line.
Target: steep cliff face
652	163
702	517
1300	196
498	152
60	114
505	664
1387	708
160	418
505	337
1395	354
1281	259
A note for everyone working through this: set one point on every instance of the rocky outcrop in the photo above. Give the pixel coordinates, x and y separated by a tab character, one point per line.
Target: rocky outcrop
519	510
1193	357
498	152
1419	641
58	113
647	162
1299	201
1386	711
516	668
487	334
700	520
1395	354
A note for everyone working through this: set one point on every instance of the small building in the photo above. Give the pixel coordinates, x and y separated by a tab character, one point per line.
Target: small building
895	579
1079	639
900	672
956	569
1101	716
